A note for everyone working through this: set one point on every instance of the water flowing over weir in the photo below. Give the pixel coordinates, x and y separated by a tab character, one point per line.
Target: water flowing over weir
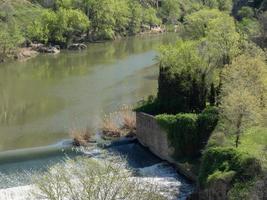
16	183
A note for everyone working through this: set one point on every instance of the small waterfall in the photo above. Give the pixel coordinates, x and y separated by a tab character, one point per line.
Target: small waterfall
146	168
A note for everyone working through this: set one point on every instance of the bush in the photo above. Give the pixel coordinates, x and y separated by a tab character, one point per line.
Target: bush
85	179
189	133
149	106
182	133
228	160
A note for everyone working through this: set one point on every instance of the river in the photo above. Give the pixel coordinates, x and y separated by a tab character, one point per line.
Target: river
43	98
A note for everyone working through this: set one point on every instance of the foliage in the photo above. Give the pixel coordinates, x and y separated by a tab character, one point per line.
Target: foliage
222	5
119	123
85	179
171	11
60	27
81	137
188	133
180	73
135	17
250	27
246	12
243	94
196	24
220	161
219	175
150	17
254	142
9	42
149	105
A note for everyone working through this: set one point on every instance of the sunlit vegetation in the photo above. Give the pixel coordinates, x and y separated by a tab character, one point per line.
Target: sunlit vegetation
119	123
217	62
85	179
81	137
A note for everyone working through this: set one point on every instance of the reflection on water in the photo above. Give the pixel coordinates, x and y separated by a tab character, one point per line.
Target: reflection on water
42	98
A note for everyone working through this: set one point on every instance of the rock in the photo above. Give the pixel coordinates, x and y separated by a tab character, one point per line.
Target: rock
52	50
77	46
44	49
25	54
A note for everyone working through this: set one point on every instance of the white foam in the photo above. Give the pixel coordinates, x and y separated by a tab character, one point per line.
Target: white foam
17	193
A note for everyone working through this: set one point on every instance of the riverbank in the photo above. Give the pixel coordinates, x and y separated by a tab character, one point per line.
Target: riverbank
34	49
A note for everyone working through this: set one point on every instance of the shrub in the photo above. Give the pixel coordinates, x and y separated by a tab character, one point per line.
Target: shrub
189	133
81	137
219	175
182	132
85	179
149	106
128	118
228	160
206	123
120	123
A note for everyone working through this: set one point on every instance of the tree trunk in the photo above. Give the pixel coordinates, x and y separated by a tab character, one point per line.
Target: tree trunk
238	131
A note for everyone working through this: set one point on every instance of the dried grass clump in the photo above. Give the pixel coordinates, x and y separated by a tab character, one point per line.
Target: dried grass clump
128	119
120	123
81	137
110	126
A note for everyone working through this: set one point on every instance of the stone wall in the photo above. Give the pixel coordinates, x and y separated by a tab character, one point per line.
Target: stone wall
152	136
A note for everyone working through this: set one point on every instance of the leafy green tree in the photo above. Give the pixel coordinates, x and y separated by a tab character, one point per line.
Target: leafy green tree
121	15
222	5
150	17
136	13
250	27
10	38
61	26
246	12
171	11
37	32
101	14
196	24
183	80
243	97
222	39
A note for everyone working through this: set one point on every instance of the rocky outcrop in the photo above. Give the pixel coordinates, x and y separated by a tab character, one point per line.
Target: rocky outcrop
77	46
45	49
25	54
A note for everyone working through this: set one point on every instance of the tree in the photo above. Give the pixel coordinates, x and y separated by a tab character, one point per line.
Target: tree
122	16
196	24
246	12
61	26
223	40
135	17
170	11
150	16
263	28
85	179
243	97
183	80
222	5
9	42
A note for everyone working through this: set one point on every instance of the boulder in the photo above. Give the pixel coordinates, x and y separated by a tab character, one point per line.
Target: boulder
77	46
52	50
45	49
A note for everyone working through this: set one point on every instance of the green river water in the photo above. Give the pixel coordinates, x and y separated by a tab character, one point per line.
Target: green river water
44	97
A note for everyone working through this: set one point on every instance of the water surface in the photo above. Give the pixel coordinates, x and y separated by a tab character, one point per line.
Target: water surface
42	98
